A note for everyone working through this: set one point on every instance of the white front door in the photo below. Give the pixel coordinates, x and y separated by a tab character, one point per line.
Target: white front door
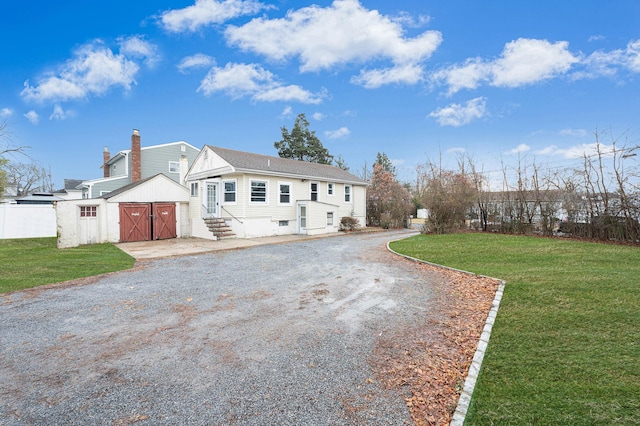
302	218
210	200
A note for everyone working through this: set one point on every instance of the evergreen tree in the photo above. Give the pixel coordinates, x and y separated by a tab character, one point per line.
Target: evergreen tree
302	143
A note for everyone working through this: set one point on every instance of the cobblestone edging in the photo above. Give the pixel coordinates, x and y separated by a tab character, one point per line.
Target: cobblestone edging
474	369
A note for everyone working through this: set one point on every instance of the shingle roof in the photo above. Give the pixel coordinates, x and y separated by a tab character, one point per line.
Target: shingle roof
249	162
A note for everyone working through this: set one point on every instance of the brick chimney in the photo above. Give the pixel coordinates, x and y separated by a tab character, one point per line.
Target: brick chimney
106	156
136	165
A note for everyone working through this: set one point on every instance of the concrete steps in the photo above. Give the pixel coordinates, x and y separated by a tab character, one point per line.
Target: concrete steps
219	228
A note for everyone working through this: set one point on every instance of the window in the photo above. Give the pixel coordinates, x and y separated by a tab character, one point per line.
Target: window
329	218
259	191
283	223
88	211
314	191
194	189
174	167
230	191
284	193
347	193
330	189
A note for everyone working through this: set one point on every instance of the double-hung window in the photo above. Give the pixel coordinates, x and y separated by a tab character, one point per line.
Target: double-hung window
284	193
230	191
174	167
347	193
313	187
194	189
258	191
330	189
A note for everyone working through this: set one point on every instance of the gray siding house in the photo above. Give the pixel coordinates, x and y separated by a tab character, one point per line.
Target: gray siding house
131	165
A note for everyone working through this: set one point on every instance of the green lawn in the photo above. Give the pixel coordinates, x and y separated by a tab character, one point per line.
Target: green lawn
565	348
31	262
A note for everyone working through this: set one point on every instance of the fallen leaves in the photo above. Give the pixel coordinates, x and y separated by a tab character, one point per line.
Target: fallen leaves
430	360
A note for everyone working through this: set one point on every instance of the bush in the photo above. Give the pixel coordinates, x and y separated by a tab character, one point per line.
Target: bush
348	223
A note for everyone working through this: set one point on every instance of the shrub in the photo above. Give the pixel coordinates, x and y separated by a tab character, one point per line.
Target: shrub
348	223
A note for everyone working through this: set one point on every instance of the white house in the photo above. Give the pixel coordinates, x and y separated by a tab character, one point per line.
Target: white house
235	193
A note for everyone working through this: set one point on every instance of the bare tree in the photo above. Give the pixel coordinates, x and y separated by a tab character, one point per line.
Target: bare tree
447	195
28	178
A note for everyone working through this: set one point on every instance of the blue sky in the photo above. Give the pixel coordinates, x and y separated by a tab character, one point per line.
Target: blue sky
417	80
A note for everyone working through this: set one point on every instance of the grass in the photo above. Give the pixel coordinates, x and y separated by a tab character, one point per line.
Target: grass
31	262
565	348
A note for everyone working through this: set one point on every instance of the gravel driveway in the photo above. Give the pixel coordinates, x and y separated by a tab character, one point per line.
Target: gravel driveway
271	335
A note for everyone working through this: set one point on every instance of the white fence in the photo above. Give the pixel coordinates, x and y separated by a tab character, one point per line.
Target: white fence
27	221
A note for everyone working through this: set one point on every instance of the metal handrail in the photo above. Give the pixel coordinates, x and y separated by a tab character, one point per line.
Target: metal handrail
231	214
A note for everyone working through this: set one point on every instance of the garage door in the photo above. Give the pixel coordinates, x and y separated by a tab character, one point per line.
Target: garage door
135	222
164	221
144	221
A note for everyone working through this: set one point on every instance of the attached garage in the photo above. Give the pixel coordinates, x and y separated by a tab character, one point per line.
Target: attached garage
150	209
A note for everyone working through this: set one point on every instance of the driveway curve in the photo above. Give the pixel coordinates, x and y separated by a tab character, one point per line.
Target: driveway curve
278	334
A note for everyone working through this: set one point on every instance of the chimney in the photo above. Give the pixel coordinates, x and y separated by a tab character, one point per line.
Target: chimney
184	168
136	165
106	156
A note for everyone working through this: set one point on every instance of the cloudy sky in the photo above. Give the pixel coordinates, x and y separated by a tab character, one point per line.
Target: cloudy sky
417	80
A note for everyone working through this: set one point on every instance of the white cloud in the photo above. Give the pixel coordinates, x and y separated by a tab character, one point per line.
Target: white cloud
318	116
579	133
343	33
138	47
527	61
549	150
523	147
207	12
456	150
6	112
404	74
287	112
241	80
337	134
196	61
458	114
523	61
93	70
33	117
579	151
59	113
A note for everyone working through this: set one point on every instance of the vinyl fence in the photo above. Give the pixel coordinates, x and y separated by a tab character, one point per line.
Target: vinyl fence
27	221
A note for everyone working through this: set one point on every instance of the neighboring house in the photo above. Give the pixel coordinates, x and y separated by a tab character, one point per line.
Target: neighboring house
247	195
72	190
171	159
149	209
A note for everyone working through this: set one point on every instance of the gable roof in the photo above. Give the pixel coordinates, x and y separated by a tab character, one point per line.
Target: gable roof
127	187
264	164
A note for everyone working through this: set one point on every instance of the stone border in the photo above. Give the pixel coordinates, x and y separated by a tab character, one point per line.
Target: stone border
474	369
